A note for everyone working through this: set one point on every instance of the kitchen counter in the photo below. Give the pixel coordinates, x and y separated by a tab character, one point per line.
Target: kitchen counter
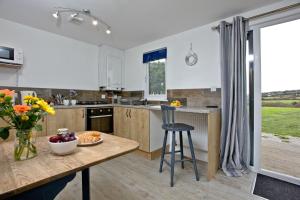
181	109
200	110
82	106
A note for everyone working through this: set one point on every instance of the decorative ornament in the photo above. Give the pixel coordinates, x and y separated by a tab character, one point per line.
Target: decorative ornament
191	58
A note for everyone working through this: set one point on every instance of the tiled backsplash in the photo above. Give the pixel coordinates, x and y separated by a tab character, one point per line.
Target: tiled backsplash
190	97
46	93
197	97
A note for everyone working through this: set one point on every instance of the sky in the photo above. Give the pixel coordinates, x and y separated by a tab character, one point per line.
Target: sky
280	57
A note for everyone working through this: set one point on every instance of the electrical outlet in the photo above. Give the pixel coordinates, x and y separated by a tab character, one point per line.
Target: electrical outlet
213	89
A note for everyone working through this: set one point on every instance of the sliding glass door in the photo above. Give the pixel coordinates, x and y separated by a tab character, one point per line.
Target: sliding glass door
274	98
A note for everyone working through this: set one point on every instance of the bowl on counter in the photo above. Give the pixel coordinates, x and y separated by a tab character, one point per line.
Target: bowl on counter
73	102
63	148
66	102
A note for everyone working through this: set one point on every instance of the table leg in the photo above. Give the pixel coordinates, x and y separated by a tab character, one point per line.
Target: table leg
86	184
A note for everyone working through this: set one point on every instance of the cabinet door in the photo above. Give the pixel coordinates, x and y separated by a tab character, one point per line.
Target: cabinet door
73	119
140	127
79	121
121	122
114	72
43	122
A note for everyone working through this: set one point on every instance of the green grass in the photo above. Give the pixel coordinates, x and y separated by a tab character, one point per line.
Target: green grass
281	121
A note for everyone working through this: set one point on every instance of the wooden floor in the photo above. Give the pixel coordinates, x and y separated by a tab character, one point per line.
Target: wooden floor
133	177
279	156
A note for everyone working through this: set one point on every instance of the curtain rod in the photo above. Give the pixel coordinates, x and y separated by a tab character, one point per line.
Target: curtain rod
279	10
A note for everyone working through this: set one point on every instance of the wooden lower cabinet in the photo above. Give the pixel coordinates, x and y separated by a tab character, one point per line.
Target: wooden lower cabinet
133	123
71	118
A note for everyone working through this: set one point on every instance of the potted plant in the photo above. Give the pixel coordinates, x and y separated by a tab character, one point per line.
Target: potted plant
22	118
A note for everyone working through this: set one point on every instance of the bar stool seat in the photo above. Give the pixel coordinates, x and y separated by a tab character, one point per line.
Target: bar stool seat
177	127
169	125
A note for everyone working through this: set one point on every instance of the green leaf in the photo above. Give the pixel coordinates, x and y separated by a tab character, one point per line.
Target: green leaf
4	132
38	127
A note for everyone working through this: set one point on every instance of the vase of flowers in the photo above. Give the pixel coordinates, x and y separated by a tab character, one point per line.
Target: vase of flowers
24	119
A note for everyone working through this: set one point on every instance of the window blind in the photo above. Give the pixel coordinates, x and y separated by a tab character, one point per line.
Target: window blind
155	55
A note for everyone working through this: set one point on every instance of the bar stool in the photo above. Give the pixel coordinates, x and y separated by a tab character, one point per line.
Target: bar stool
170	125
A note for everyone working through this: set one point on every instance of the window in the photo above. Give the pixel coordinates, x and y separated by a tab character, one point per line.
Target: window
156	80
155	61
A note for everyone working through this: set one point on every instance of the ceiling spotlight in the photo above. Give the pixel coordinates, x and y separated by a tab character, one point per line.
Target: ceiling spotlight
108	31
74	15
56	15
95	22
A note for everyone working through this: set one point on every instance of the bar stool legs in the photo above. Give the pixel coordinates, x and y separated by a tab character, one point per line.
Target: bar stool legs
172	164
173	158
181	150
193	155
163	151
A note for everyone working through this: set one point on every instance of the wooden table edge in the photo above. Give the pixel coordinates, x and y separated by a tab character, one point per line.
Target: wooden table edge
61	175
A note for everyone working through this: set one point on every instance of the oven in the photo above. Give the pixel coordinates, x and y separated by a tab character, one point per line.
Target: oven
100	119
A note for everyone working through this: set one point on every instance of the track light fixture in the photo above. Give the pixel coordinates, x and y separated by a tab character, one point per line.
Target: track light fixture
76	16
56	15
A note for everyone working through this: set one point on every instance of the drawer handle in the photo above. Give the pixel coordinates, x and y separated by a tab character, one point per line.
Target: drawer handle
99	116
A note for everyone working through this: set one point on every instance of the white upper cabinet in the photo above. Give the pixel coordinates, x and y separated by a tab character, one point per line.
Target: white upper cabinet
111	65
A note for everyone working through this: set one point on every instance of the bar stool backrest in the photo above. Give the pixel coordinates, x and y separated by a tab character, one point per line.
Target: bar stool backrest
168	115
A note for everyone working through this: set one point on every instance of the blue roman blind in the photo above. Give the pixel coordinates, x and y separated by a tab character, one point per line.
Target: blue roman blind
155	55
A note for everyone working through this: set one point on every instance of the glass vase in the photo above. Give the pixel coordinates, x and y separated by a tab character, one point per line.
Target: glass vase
25	145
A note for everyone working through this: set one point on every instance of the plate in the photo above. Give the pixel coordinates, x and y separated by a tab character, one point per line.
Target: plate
90	144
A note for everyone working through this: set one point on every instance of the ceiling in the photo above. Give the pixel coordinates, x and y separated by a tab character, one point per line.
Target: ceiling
133	22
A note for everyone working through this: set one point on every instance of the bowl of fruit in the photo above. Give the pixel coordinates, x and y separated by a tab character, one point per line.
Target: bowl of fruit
63	144
176	103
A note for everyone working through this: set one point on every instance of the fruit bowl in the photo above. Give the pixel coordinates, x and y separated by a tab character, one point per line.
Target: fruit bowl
62	145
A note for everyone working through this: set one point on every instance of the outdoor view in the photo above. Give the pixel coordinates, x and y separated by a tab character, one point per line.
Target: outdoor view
280	68
157	84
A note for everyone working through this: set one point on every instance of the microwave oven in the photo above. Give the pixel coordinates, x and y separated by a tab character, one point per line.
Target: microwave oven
10	55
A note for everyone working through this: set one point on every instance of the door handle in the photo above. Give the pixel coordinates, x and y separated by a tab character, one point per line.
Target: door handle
99	116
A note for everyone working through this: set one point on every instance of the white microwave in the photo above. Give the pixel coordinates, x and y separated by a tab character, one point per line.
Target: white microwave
10	55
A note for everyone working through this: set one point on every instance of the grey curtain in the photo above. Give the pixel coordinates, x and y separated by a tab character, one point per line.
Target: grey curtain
235	140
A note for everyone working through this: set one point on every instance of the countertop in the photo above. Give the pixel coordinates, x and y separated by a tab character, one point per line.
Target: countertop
149	107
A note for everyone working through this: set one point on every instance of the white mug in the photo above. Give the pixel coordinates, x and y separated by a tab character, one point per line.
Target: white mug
73	102
66	102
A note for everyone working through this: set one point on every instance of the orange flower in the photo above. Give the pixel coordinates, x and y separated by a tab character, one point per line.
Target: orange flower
7	92
21	108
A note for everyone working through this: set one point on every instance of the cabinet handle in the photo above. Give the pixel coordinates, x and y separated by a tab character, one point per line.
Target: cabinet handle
126	112
82	113
43	119
130	113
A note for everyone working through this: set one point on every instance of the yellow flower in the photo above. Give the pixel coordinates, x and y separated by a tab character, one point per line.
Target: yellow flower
1	100
24	117
45	106
51	111
30	99
35	106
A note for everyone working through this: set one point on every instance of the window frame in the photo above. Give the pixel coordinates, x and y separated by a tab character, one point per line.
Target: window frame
155	97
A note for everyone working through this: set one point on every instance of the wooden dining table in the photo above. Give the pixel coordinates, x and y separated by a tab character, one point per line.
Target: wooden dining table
18	177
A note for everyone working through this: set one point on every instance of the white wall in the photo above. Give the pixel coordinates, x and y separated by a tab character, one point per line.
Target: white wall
50	60
205	74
